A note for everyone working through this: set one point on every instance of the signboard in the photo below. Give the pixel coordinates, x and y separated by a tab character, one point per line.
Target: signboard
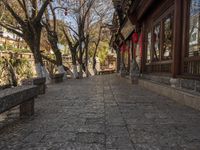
127	29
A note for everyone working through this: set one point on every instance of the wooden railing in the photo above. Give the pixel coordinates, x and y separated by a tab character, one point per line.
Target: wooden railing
191	66
159	67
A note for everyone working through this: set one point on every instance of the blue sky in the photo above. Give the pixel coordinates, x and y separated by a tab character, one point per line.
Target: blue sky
195	7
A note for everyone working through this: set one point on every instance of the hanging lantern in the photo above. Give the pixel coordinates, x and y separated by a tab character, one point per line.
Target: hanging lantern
66	12
135	37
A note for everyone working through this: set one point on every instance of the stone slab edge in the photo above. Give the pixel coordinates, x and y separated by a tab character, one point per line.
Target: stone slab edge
172	93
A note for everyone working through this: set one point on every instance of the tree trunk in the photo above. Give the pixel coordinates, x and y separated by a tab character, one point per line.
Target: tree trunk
81	65
94	62
81	38
33	41
74	65
53	39
37	59
54	62
86	56
58	55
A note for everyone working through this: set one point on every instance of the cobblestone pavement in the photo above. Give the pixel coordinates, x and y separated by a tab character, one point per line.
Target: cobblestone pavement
104	113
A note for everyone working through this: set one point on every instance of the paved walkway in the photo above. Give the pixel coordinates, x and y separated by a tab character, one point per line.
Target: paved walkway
104	112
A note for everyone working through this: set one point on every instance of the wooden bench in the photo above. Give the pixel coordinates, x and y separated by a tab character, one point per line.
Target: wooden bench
22	95
57	78
38	81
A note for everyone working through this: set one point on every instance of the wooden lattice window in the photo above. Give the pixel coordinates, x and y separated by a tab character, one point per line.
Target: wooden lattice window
191	51
167	38
156	42
149	43
159	43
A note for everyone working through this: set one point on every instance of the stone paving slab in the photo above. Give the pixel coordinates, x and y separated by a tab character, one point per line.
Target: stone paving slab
102	113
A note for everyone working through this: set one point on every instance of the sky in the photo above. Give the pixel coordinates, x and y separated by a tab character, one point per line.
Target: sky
195	7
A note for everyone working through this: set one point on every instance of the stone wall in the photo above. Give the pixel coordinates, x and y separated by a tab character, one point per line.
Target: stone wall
180	96
187	84
158	79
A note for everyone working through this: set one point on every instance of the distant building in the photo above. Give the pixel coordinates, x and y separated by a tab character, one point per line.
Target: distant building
9	40
110	62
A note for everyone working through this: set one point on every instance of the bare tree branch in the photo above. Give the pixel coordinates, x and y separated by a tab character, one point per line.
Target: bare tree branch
12	12
72	30
21	4
34	8
88	9
42	10
12	29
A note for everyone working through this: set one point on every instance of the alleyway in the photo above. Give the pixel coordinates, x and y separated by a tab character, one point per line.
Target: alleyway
104	112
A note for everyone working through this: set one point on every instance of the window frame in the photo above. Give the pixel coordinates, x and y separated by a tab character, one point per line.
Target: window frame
171	17
156	67
168	14
187	29
185	42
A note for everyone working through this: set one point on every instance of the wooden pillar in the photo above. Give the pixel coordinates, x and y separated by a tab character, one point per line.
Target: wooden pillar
178	21
129	59
144	48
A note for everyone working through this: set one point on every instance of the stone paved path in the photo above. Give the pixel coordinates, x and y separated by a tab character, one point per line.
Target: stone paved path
104	112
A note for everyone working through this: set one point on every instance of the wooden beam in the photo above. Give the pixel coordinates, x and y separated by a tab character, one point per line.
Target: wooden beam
143	8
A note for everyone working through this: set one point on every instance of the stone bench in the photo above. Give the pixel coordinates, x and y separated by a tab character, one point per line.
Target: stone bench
5	86
57	78
102	72
39	82
22	95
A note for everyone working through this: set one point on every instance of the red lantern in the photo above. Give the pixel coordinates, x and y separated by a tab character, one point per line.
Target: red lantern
123	48
135	37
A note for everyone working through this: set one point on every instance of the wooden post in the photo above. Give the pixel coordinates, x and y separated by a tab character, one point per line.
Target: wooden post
129	59
178	21
144	49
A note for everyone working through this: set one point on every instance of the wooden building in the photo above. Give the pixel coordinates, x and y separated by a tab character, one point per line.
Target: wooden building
163	37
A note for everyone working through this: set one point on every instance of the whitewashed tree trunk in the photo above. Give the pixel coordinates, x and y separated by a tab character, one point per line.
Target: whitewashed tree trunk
86	71
61	70
70	73
42	72
95	71
46	74
75	72
38	68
